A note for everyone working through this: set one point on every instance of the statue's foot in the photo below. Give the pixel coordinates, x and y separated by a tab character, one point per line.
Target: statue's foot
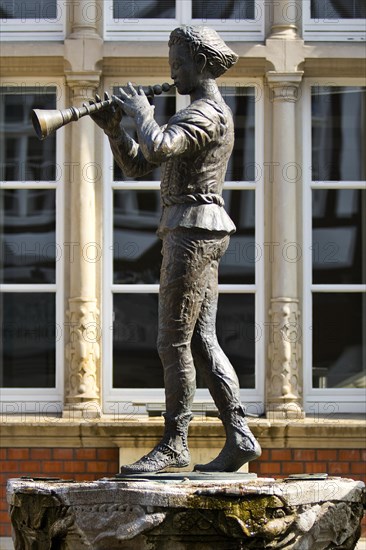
230	459
241	447
161	458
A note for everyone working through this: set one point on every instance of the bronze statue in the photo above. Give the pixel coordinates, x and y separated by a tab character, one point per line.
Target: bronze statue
193	150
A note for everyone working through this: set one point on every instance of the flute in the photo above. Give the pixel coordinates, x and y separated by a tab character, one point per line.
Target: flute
47	121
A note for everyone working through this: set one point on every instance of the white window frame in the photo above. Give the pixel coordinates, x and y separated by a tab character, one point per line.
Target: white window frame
317	400
159	29
335	30
121	401
35	29
43	401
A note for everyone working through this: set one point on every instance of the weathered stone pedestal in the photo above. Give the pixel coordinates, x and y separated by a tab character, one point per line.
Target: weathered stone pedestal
174	512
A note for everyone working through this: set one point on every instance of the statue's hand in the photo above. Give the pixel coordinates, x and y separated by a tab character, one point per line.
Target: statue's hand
108	119
133	104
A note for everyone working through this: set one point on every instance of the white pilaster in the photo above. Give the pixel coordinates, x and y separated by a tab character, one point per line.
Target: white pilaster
284	379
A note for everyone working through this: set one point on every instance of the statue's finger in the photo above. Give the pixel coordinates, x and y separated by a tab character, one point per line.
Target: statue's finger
123	93
141	91
97	97
117	100
131	89
106	95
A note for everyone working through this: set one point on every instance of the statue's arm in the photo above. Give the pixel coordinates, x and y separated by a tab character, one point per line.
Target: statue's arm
128	155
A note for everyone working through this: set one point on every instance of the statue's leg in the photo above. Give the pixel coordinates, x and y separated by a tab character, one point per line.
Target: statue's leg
184	275
222	381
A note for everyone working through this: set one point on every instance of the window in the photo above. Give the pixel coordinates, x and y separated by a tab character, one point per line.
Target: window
133	259
31	256
334	19
334	236
24	20
155	19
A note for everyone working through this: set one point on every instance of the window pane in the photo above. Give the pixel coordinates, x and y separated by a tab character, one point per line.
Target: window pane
339	339
338	9
338	133
24	156
238	264
339	236
236	331
164	110
136	363
229	9
28	333
136	247
241	101
143	9
29	9
27	236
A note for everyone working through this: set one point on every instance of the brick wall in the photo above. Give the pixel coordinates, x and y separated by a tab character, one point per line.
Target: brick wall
93	463
85	464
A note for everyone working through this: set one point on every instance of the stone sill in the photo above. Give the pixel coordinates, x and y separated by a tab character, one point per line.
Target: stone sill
345	432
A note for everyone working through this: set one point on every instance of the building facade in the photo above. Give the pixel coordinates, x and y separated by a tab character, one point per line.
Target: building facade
82	386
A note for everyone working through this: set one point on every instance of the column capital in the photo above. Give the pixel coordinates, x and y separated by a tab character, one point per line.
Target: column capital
82	85
284	86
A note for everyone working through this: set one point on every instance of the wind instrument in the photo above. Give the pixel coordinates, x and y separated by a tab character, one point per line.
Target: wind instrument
47	121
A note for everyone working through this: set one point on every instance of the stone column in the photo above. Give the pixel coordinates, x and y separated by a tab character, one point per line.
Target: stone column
83	52
284	16
284	380
82	351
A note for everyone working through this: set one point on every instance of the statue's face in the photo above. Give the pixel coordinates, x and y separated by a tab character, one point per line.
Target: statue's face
183	69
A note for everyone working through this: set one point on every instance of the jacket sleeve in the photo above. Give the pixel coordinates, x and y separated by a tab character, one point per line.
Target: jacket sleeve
129	157
187	132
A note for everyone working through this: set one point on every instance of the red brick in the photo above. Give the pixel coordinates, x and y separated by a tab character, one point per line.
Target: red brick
74	466
358	468
292	467
30	467
281	454
349	454
10	466
316	467
40	454
304	454
52	466
97	467
4	517
113	468
327	454
3	454
85	477
270	468
107	454
85	454
339	468
265	455
63	454
18	454
5	530
363	456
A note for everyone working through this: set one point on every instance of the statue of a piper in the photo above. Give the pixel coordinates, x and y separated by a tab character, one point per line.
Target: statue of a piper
193	150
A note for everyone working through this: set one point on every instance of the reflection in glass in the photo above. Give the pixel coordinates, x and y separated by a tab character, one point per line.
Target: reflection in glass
28	334
238	264
136	363
339	340
24	156
27	236
338	133
29	10
143	9
241	101
338	9
164	110
339	236
237	333
240	10
136	247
